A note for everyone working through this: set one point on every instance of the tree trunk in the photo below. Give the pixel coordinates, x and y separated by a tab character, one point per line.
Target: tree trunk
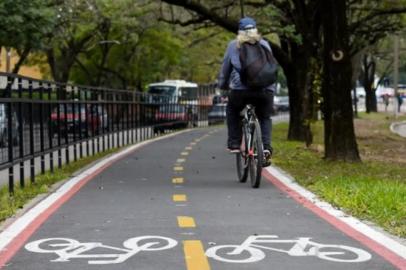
368	81
356	71
370	100
297	129
339	136
23	56
297	79
60	69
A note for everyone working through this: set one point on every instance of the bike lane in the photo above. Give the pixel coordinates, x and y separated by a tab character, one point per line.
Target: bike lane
180	195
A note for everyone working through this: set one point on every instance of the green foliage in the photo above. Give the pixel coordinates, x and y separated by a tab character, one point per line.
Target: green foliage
202	54
135	47
371	21
25	23
384	53
273	20
146	50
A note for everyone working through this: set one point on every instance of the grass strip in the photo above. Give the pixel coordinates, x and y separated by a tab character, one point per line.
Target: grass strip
10	204
371	190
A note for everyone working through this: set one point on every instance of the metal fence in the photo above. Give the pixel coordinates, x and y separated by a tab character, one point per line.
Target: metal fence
49	123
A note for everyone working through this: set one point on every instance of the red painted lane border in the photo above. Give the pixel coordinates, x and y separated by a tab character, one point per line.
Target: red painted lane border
388	255
14	246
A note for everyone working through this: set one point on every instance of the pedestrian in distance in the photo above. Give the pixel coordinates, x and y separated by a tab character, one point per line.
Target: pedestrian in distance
233	77
400	101
385	98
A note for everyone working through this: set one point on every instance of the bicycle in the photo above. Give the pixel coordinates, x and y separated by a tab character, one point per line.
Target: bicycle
68	249
251	157
251	250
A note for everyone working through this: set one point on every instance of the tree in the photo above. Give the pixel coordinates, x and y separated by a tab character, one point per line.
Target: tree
73	33
24	24
307	17
131	48
135	48
369	23
291	55
339	138
367	78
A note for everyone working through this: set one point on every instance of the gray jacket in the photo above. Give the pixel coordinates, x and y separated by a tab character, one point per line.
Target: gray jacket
229	77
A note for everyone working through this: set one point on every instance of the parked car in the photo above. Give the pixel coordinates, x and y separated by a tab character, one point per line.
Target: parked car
4	126
77	118
281	104
217	114
100	112
171	116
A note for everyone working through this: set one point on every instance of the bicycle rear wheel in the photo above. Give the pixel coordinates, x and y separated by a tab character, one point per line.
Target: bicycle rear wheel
256	161
242	160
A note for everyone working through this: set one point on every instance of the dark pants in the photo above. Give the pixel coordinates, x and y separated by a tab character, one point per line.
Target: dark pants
263	103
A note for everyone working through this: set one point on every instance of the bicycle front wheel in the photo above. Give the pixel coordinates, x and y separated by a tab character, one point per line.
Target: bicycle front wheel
256	160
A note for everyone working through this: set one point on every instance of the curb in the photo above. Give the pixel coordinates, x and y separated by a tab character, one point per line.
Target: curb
395	125
15	231
390	247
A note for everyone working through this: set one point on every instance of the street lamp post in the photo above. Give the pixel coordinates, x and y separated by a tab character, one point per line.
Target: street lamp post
396	74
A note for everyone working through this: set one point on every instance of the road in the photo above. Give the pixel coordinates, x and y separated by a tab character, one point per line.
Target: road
116	138
175	203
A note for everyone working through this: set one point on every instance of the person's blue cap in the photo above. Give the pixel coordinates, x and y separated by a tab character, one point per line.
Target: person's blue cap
247	23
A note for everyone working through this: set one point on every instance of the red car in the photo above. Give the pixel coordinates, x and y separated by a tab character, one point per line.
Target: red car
171	116
71	120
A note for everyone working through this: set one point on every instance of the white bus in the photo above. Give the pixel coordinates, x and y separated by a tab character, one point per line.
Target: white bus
174	91
174	98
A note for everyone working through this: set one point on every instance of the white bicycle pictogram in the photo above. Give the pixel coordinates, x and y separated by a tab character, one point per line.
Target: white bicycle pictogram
251	250
67	248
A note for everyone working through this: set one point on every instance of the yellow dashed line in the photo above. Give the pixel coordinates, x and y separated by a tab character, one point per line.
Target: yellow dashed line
186	222
184	153
194	255
179	198
178	168
180	160
177	180
188	148
192	143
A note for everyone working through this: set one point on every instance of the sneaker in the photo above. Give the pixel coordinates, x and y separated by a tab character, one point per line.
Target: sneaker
267	157
234	148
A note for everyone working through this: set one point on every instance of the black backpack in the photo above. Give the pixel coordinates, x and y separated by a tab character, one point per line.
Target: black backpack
258	66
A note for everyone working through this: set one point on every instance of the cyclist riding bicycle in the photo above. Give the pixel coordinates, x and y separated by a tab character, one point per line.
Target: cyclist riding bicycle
240	94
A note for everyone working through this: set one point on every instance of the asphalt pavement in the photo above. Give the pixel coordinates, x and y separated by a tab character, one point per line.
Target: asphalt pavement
175	203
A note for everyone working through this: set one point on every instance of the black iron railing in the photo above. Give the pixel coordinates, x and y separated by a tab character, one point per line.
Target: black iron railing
44	124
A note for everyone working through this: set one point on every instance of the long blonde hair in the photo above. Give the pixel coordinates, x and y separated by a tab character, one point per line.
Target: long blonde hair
251	36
